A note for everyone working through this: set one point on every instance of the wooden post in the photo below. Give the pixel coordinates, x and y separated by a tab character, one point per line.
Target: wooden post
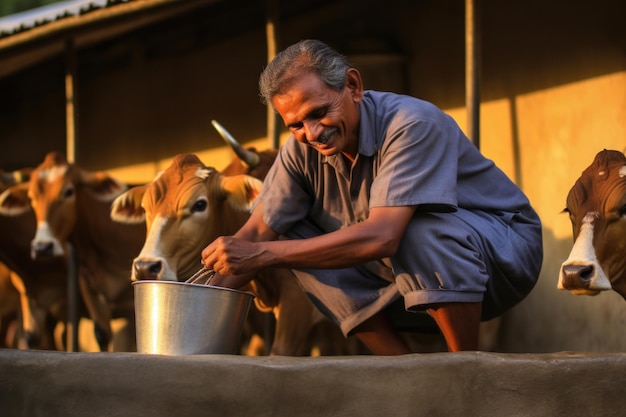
71	326
271	30
472	69
70	100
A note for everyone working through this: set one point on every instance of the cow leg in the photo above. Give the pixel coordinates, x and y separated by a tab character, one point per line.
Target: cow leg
99	313
27	318
253	336
327	339
295	316
10	332
291	338
34	325
9	309
459	323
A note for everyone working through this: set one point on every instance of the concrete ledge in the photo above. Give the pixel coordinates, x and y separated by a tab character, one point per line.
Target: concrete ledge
43	383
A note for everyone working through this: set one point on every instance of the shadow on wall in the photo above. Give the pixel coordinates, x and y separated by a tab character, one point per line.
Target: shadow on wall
552	320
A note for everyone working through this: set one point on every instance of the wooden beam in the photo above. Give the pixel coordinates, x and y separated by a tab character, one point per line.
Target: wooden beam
273	43
70	100
71	325
472	69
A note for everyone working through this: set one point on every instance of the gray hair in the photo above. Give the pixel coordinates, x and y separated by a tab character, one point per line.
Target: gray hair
300	58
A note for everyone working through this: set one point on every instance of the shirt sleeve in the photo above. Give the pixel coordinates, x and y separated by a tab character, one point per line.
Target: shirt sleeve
417	165
284	196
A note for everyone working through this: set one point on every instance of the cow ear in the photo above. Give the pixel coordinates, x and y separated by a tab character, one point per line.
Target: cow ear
126	208
103	186
14	200
241	190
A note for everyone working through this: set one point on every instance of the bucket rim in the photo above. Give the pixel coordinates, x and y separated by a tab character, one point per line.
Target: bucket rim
187	284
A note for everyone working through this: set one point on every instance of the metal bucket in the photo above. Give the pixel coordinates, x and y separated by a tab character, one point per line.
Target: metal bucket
177	318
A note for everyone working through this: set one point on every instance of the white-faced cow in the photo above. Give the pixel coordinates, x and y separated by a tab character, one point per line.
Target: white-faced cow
72	206
185	208
42	286
597	208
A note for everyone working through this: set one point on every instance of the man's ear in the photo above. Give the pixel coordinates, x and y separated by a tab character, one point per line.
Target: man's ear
354	84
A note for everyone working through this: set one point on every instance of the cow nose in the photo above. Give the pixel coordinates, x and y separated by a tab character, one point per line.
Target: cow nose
42	250
147	269
577	276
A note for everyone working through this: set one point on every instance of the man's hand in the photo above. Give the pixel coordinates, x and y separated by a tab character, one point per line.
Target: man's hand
228	255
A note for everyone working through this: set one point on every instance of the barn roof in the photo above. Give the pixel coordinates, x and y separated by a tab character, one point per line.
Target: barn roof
29	19
33	36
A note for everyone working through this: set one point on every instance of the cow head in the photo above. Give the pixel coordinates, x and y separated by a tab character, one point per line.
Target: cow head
52	191
184	208
597	208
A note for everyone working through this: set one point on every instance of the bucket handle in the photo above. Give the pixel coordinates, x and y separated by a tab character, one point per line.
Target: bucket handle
204	273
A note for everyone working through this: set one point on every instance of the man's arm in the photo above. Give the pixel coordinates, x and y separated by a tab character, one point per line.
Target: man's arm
377	237
254	230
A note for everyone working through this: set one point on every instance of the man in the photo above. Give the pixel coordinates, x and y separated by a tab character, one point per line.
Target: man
377	196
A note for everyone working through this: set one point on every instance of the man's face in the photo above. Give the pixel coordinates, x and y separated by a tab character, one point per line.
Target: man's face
321	117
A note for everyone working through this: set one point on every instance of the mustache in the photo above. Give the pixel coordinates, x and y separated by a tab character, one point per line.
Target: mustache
324	137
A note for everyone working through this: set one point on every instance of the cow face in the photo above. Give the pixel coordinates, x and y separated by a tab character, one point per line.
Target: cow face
53	190
53	195
597	208
184	208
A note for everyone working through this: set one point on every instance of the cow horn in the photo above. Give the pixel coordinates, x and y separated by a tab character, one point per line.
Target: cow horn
249	158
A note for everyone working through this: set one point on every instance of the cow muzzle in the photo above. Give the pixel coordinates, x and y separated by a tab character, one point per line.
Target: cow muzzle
45	245
147	269
41	251
583	278
152	268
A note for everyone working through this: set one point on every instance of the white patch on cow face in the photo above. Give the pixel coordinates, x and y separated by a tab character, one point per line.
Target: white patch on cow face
622	171
45	238
152	252
583	254
52	174
203	173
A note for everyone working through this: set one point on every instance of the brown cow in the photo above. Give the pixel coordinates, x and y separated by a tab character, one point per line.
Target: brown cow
597	209
42	287
189	205
72	206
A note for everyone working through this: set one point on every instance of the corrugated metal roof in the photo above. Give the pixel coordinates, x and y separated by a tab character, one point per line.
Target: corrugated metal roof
33	36
20	22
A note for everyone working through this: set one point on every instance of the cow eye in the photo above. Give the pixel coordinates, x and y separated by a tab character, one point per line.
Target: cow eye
68	192
622	210
199	206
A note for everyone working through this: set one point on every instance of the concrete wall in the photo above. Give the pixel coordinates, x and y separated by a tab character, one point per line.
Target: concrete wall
553	95
438	384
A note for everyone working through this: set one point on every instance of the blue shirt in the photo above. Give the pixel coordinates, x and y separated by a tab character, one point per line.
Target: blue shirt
410	154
